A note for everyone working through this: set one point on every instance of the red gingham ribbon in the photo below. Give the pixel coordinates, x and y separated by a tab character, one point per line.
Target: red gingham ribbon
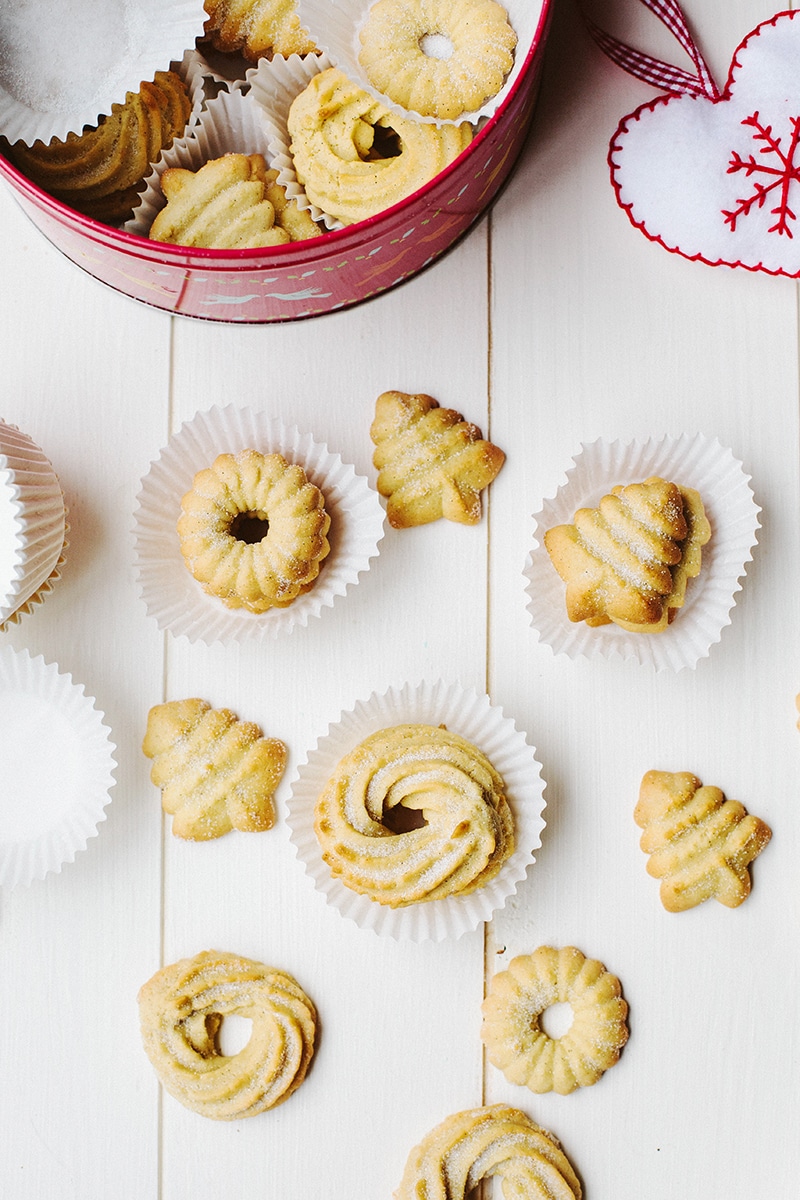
660	74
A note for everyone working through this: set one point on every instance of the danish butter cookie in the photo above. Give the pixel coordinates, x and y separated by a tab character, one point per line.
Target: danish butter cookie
253	530
256	28
232	202
514	1039
364	817
216	773
476	33
181	1010
353	157
98	172
431	463
629	560
700	844
496	1140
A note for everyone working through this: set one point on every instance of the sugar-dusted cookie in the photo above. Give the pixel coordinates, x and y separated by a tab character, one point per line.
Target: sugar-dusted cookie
700	844
256	28
354	157
478	44
216	773
465	837
512	1033
231	202
97	172
431	463
181	1009
253	530
629	560
496	1140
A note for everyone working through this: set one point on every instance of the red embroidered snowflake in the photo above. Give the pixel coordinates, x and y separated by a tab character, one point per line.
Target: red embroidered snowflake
782	170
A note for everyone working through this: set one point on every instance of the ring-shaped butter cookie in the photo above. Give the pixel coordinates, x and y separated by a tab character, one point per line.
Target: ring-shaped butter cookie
253	530
512	1032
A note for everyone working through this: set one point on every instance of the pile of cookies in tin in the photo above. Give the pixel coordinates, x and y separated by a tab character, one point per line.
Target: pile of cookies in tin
360	113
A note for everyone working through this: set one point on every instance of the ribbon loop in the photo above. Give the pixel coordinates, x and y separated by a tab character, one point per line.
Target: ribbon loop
651	70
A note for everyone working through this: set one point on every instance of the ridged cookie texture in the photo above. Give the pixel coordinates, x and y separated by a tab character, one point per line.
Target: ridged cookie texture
216	773
431	463
478	1143
181	1010
700	844
253	530
256	28
223	205
481	43
629	560
97	171
354	158
467	832
512	1033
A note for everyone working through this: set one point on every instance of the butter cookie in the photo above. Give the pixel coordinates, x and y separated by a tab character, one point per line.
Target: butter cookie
216	773
700	844
364	817
353	157
478	53
517	997
181	1010
496	1140
256	28
431	463
629	560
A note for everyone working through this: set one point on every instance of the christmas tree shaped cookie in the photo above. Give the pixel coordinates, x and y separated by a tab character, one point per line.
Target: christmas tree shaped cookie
700	844
431	463
216	772
629	560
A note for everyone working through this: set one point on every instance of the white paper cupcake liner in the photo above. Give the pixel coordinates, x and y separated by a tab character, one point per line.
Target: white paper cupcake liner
473	717
232	123
693	461
58	763
54	85
274	84
32	523
335	24
174	598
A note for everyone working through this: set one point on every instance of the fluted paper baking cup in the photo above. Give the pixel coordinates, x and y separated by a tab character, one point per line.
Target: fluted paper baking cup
231	123
174	598
58	763
335	26
689	460
274	84
32	523
473	717
60	71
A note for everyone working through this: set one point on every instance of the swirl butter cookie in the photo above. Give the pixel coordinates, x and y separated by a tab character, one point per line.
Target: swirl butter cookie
497	1140
98	171
466	832
353	157
181	1010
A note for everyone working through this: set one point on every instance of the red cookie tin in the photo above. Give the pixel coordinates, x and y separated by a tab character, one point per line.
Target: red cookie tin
302	279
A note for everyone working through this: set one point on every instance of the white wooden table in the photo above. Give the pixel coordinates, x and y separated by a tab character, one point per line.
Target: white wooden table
552	324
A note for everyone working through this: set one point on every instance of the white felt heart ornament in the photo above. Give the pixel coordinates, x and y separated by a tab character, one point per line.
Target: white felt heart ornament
718	180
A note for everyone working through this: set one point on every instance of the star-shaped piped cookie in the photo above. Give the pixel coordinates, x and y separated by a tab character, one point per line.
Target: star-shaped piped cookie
431	463
629	560
700	844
